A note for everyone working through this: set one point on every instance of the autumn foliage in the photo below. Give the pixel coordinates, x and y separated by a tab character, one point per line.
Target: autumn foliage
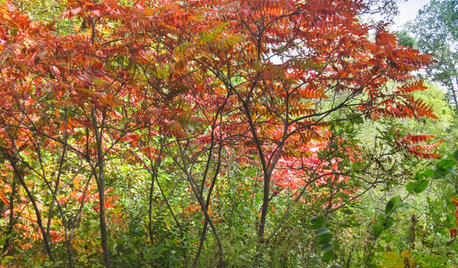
205	87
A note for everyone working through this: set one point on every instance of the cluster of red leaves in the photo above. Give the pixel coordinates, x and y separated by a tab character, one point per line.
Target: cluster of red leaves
314	172
410	144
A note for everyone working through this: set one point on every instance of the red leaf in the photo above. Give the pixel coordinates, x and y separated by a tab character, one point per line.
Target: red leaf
96	13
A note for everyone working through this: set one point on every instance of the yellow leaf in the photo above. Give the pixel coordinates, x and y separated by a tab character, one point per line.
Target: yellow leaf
395	260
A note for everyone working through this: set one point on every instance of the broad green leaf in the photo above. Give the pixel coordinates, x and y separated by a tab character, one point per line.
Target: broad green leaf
410	186
322	231
392	204
317	222
445	164
441	173
328	256
378	230
327	247
388	222
417	186
323	239
420	186
426	173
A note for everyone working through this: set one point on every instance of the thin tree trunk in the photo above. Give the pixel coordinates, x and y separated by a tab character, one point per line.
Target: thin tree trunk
454	92
11	218
266	173
154	173
203	207
99	177
204	229
35	207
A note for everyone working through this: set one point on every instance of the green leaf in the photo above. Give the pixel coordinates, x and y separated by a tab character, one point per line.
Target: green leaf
445	164
181	49
417	186
420	186
440	173
211	35
378	230
323	239
410	186
450	221
388	223
6	259
347	211
327	247
328	256
426	173
392	204
322	231
161	73
317	222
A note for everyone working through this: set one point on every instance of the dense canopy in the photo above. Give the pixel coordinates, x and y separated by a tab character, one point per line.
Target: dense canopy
170	133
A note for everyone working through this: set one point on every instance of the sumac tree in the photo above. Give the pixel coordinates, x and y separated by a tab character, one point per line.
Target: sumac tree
202	87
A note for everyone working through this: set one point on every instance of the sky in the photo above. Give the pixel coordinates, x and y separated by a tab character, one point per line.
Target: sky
408	11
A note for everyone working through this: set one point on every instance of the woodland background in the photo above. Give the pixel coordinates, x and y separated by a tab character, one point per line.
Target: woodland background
203	133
